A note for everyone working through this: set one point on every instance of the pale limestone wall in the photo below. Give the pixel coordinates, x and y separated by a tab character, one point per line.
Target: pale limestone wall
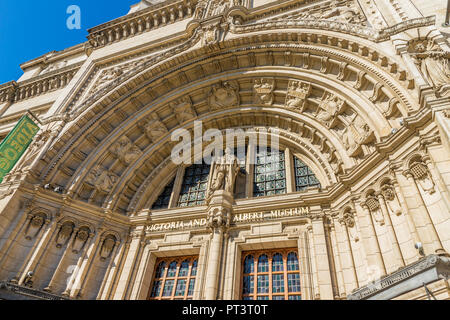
374	206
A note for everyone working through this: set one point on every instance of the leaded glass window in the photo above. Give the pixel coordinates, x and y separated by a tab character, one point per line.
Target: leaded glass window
174	279
193	189
164	198
270	173
271	275
304	177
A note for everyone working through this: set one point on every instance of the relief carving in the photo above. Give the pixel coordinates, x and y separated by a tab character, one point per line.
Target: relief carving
392	202
348	219
355	135
219	7
183	110
263	91
80	240
434	65
35	225
102	179
423	177
126	150
155	129
374	206
107	247
329	108
344	11
224	95
297	94
64	234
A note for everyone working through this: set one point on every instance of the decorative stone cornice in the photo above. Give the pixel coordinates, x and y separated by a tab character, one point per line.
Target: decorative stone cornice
14	92
148	19
29	293
441	263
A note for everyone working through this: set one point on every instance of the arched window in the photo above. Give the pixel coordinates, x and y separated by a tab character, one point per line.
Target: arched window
164	198
168	284
193	189
276	276
270	173
304	177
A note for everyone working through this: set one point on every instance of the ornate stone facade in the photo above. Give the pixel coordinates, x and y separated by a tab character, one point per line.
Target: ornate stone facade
357	95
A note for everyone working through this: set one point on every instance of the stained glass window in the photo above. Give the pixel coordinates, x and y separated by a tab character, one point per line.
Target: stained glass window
174	279
193	189
271	275
164	198
304	177
270	173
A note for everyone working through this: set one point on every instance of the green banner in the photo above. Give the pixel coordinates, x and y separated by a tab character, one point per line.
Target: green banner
15	144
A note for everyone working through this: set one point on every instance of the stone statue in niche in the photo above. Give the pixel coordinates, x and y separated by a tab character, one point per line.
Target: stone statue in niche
107	248
102	179
434	65
224	95
80	240
346	12
392	202
329	108
64	235
219	7
263	89
297	94
155	129
34	226
356	134
126	150
423	177
183	110
224	170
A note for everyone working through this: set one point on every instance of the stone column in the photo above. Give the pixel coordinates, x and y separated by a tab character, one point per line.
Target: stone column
337	262
130	263
219	219
78	266
312	257
111	272
38	250
84	272
400	262
370	238
290	175
322	261
305	268
136	291
431	233
348	263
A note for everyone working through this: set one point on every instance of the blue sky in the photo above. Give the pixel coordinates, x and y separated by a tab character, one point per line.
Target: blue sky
29	29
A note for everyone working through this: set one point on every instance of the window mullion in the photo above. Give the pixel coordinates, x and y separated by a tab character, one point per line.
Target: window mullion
177	187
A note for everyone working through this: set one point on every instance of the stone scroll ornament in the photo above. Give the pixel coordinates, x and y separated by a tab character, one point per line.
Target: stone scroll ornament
263	91
224	171
297	94
434	65
224	95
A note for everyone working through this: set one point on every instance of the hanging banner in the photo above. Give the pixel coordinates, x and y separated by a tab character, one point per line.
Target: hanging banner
15	144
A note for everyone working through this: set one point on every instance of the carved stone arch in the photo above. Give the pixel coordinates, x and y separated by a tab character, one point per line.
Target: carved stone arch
416	156
250	38
384	179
